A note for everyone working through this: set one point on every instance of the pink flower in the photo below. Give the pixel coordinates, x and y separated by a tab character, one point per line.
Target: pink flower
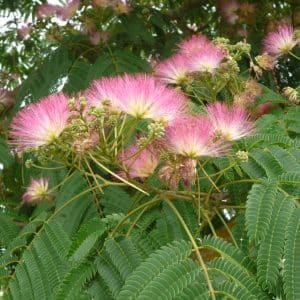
173	70
97	37
46	10
141	96
139	163
23	32
232	123
193	45
208	59
36	191
280	41
228	9
193	137
68	11
40	123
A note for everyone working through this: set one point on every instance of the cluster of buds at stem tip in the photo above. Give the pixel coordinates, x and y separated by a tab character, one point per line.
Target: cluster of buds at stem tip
156	129
291	94
242	155
265	61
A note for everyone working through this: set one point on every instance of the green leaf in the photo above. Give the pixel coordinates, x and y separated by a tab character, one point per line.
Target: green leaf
42	265
77	79
8	230
85	239
115	200
291	270
136	29
269	95
236	274
119	61
46	79
76	209
271	247
228	251
123	255
259	207
6	158
166	274
74	281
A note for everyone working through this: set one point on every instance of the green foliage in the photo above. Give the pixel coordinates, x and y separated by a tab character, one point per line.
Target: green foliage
43	264
161	274
85	239
8	229
291	268
271	247
259	209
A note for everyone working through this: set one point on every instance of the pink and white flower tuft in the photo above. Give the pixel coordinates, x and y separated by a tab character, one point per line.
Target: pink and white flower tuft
36	191
228	9
232	123
46	10
68	10
173	70
193	45
280	41
193	137
23	32
40	123
208	59
141	96
139	163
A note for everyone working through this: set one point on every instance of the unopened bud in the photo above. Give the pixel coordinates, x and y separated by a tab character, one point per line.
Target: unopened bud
156	129
291	94
265	61
28	163
242	155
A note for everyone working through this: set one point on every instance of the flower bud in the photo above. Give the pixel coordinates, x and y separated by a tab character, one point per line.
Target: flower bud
291	94
265	61
242	155
156	129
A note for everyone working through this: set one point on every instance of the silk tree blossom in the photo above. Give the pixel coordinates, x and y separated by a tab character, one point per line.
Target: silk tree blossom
142	96
232	123
208	59
193	45
280	42
68	10
40	123
46	10
139	163
228	9
194	137
173	70
37	191
23	32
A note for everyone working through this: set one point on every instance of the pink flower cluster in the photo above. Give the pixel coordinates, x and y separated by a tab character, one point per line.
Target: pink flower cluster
233	10
196	54
143	97
280	42
191	137
65	12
